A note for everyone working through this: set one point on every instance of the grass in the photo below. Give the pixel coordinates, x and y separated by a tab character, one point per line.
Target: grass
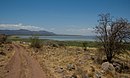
60	57
36	42
56	58
66	43
80	43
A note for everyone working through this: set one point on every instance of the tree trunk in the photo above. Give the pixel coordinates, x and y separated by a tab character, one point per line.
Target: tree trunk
109	57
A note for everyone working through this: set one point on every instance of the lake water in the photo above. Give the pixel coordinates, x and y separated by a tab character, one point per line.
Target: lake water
65	38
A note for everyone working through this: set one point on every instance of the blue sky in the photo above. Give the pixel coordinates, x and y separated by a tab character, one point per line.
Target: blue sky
59	16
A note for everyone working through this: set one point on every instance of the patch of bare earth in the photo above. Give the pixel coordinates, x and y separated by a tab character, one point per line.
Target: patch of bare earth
22	65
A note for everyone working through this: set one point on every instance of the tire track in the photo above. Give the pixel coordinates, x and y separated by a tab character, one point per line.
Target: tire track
22	65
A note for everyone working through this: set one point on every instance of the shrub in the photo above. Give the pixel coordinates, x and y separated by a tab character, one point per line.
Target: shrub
85	46
36	42
3	38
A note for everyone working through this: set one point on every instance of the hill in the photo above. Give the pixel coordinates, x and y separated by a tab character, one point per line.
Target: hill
25	32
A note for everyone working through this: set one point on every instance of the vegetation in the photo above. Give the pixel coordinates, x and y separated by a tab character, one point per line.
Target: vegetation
113	35
81	43
36	42
3	38
65	43
62	59
85	46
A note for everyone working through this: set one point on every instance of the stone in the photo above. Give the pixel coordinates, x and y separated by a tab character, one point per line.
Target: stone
106	66
2	53
60	70
92	57
74	76
117	66
92	69
98	74
84	76
66	77
70	67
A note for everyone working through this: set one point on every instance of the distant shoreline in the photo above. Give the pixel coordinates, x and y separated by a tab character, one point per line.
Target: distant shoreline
62	37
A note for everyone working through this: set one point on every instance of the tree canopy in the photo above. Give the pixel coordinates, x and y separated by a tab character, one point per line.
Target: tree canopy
113	34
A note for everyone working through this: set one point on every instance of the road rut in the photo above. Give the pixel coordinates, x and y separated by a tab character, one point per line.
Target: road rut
22	65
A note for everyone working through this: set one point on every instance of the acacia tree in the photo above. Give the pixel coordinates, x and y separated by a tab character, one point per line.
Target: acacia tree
113	34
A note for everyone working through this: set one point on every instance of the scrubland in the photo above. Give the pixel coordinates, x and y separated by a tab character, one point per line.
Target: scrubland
75	62
70	61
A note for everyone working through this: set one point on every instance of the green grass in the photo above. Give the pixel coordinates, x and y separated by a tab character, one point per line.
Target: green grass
66	43
18	39
80	43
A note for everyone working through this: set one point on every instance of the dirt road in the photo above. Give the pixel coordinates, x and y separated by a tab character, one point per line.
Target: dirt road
22	65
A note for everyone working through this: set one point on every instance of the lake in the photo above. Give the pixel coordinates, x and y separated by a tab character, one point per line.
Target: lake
65	38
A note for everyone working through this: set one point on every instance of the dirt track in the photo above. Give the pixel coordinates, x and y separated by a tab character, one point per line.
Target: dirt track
22	65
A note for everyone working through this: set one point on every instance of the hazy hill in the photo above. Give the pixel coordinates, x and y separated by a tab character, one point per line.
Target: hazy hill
25	32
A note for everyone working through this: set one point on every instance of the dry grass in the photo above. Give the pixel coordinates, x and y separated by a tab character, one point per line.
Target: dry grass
54	61
4	59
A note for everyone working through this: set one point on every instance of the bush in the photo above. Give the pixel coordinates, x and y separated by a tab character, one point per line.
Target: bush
36	42
3	38
85	46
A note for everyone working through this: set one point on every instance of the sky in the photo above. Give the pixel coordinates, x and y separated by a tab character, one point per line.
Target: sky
73	17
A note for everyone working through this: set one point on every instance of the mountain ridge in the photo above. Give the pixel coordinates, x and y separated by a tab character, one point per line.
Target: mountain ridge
26	32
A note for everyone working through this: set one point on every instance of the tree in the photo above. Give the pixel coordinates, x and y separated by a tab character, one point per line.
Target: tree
113	34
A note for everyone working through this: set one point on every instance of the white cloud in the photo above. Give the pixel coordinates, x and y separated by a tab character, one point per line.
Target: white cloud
52	29
72	30
20	26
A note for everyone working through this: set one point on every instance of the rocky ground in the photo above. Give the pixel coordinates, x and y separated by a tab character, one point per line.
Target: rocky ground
74	62
66	61
6	53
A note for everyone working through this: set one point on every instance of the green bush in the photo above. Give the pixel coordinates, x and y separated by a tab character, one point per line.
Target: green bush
85	46
36	42
3	38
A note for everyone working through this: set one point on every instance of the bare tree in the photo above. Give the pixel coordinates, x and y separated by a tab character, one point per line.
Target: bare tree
113	34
